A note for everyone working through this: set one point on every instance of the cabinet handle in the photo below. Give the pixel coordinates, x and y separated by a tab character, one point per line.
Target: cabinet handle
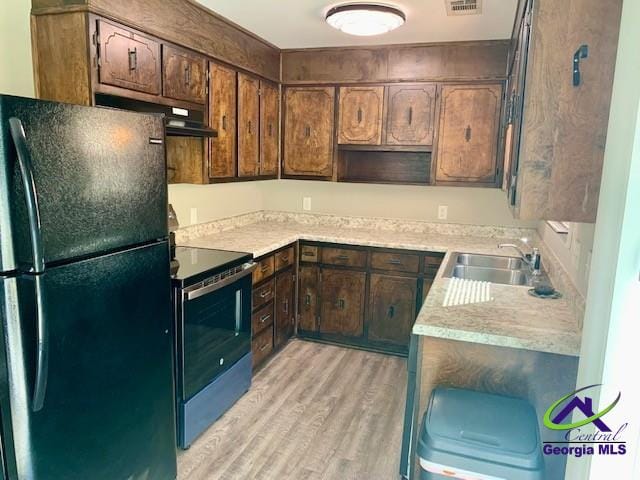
249	127
308	254
359	115
271	130
307	300
392	311
285	305
264	268
186	75
307	131
467	133
264	318
264	347
133	58
224	122
395	261
410	115
342	257
582	52
340	303
265	294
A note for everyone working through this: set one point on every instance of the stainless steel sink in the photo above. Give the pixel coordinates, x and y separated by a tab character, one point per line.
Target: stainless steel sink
494	269
490	261
493	275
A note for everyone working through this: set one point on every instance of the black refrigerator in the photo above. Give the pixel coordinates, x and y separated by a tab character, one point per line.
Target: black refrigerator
86	378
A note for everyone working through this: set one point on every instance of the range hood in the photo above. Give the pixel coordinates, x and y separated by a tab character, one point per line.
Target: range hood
179	122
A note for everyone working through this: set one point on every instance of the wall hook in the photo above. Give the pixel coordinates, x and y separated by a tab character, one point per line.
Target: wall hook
582	52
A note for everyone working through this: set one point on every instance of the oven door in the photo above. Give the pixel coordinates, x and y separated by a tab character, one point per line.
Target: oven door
215	331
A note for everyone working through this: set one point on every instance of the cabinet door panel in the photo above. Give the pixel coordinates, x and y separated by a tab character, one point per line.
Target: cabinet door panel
360	115
410	115
284	308
184	75
308	301
248	125
128	60
392	303
308	137
468	135
222	110
342	302
269	105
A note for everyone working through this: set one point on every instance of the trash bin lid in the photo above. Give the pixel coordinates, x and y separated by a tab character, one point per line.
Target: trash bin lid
491	428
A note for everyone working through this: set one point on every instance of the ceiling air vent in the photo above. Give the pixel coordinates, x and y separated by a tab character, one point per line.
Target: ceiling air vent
463	7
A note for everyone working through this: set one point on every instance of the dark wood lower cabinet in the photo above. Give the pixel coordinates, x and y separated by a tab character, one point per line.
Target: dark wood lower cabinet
392	308
284	307
342	302
362	296
308	298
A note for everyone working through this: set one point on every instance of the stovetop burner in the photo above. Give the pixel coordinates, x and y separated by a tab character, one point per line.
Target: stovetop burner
192	264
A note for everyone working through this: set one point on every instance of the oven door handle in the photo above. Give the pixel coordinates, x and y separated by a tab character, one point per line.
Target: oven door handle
193	294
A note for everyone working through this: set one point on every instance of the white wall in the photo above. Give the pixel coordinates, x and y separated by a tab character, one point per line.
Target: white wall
16	72
573	250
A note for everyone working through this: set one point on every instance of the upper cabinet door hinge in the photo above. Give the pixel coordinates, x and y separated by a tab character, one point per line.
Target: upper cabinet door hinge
96	42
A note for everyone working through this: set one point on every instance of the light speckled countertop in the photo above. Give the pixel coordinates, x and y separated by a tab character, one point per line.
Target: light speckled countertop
511	319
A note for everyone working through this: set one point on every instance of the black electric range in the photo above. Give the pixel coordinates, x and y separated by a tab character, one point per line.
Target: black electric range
212	309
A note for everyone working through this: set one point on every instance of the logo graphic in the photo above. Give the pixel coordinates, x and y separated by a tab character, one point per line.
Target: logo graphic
578	438
585	406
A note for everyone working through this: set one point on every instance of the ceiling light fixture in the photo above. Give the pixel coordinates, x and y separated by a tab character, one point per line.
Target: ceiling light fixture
365	19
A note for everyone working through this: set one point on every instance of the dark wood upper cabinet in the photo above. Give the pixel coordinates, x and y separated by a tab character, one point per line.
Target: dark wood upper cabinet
308	298
222	117
411	114
284	307
468	134
360	115
128	59
248	126
308	131
392	307
184	75
269	132
342	302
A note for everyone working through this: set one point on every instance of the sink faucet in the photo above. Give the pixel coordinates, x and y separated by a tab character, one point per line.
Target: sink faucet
532	259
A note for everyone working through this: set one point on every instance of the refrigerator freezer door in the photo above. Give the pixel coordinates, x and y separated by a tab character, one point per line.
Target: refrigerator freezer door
108	409
99	176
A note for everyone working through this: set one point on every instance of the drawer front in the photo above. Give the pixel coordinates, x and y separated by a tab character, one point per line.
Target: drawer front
431	265
284	258
262	346
262	319
344	257
265	268
395	262
308	253
263	294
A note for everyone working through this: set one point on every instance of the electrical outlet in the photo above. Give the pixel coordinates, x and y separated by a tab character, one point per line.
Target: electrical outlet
194	215
306	204
442	212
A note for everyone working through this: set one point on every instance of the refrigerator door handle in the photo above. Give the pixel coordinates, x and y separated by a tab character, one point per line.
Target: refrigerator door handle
42	348
31	197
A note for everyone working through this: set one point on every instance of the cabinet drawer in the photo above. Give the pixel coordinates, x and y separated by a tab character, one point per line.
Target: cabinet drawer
262	319
263	294
262	346
431	265
395	262
345	257
284	258
308	253
264	269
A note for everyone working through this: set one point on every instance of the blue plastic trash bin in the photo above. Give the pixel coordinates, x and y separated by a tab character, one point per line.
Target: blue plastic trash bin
474	435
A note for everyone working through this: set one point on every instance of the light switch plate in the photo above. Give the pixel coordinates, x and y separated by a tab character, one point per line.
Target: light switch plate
306	204
443	211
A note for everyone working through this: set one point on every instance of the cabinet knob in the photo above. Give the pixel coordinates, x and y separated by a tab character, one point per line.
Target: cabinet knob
307	300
